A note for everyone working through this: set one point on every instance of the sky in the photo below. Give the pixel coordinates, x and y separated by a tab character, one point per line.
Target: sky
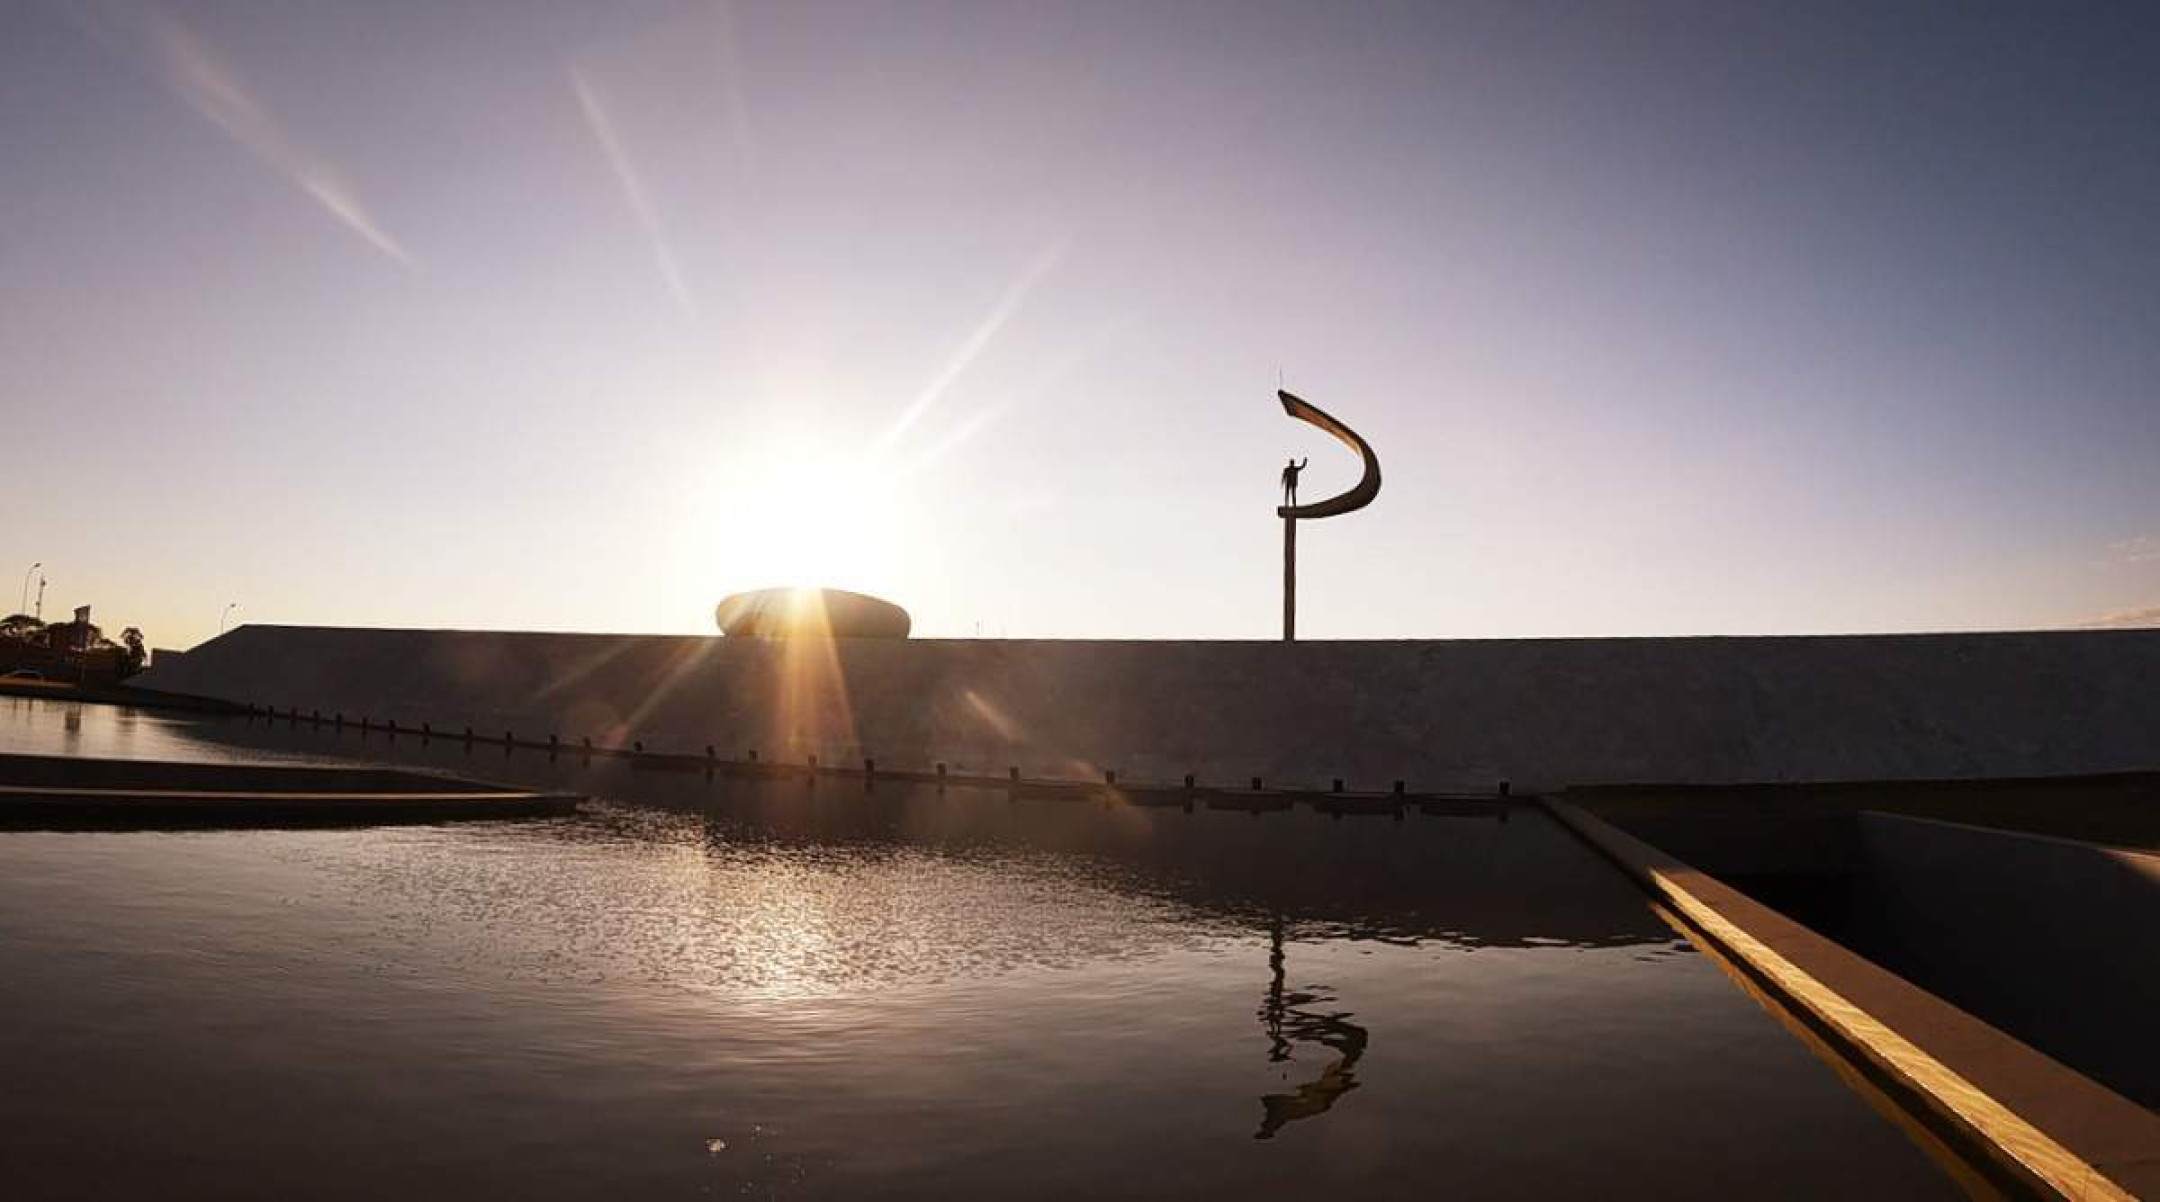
1663	318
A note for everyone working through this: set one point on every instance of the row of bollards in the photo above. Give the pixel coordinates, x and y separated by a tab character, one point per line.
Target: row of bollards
1334	801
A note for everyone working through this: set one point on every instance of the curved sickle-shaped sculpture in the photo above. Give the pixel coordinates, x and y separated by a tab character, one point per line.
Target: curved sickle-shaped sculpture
1367	487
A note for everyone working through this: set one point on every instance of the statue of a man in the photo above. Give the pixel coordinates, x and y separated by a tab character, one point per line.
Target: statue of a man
1289	479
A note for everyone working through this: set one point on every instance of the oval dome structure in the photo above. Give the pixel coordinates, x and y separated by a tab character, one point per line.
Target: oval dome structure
824	613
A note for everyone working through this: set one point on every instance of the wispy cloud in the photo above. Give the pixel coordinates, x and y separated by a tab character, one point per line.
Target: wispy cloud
633	188
2143	549
1014	296
2128	619
193	70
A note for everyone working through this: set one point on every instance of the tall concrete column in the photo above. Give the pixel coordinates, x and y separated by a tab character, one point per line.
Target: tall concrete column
1289	580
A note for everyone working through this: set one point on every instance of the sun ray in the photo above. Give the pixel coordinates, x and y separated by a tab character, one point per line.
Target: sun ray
1009	303
1058	370
684	661
192	70
813	706
633	188
731	77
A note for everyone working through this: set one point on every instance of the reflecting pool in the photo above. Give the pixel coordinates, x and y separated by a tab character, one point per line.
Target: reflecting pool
767	988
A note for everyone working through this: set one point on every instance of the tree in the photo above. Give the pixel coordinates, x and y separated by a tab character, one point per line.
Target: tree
132	653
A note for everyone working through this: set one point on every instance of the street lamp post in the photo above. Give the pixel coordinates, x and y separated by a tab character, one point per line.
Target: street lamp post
229	607
24	605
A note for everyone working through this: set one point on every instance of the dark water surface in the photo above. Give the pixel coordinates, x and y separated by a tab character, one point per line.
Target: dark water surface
769	989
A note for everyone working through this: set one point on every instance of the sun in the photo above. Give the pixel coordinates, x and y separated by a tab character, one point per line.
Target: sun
797	511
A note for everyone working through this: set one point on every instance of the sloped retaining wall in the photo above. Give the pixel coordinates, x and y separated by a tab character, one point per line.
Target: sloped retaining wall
1442	714
2049	939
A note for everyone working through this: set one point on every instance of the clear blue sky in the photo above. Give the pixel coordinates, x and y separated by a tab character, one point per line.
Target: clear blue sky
1664	318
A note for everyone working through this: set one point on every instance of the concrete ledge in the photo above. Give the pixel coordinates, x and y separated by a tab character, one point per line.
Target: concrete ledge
91	773
113	694
2052	1127
60	791
67	809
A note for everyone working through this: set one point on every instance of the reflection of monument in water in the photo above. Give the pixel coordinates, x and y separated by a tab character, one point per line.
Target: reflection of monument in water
1291	1017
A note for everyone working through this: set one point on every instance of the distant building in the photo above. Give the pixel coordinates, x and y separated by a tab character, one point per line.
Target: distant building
71	650
81	635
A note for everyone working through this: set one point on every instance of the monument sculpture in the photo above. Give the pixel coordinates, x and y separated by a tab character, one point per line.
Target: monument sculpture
1358	496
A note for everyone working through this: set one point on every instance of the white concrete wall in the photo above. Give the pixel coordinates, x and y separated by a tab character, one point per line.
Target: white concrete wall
1541	712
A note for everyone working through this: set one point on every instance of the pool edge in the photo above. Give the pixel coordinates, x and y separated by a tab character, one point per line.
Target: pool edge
2056	1129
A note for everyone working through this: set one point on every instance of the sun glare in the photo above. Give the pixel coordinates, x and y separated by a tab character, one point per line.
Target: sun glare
804	514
